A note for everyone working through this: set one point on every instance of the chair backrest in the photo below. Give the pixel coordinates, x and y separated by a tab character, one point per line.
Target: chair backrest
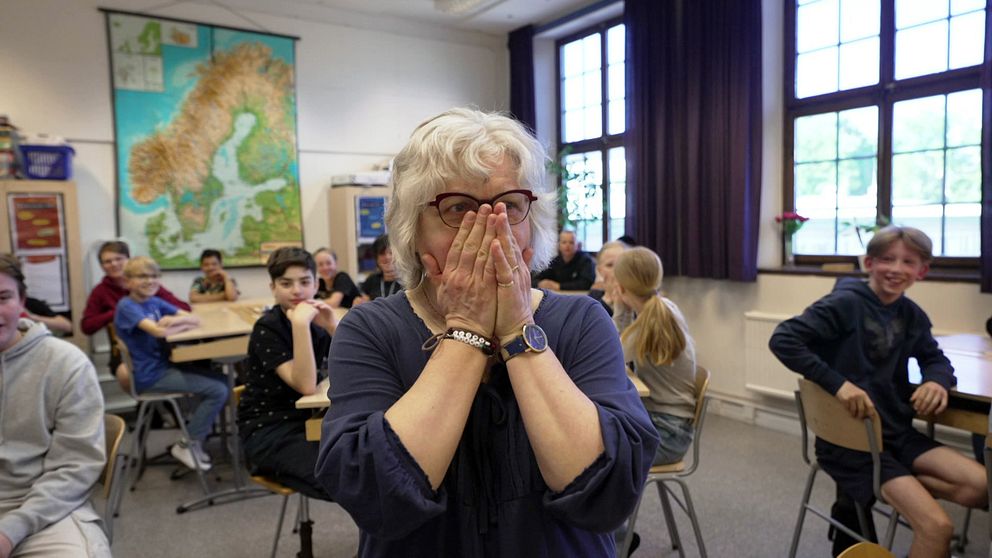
702	385
829	419
114	427
698	416
126	358
866	550
236	394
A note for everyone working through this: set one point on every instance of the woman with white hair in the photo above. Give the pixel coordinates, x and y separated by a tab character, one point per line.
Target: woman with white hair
472	415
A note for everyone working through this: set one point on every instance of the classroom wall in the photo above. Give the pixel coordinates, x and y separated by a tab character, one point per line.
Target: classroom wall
715	309
363	83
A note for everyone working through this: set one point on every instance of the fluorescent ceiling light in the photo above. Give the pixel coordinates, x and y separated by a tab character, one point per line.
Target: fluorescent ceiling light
462	7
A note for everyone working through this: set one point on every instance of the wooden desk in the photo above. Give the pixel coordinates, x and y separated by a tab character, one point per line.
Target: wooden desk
225	325
971	356
318	400
642	388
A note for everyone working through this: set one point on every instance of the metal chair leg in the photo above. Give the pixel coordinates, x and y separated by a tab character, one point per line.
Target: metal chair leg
802	511
306	528
890	532
690	510
137	447
282	515
673	529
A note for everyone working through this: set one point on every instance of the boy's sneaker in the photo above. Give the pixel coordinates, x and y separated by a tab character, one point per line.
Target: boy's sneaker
181	451
201	454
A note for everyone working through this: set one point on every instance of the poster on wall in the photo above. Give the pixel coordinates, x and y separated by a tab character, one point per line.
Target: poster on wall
37	235
371	211
205	127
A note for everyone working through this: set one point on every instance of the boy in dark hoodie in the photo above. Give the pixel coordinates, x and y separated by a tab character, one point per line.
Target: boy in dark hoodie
855	343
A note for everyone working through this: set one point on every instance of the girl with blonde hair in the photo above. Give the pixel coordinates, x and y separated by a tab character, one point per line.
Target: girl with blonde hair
605	260
656	340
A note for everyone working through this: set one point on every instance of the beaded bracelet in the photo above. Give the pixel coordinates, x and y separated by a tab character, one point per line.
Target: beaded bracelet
487	346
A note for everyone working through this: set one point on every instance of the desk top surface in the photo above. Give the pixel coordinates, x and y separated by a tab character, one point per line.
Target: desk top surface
971	356
223	319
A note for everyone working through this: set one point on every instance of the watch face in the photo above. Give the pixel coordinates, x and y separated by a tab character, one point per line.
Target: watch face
535	338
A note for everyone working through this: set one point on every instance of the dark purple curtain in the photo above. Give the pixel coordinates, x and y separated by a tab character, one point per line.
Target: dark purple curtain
693	137
521	45
986	220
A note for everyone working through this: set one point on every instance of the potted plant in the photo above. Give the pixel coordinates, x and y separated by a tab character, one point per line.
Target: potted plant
791	223
864	232
572	208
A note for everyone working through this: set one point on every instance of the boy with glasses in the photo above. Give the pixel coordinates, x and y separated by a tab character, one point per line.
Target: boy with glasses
143	321
102	302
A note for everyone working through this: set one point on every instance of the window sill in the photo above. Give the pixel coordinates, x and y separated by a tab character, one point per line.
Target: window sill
949	275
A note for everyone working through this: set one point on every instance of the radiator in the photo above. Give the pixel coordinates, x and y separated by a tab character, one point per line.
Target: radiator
763	372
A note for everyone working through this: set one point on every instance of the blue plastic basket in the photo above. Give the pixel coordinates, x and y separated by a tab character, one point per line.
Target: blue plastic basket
48	162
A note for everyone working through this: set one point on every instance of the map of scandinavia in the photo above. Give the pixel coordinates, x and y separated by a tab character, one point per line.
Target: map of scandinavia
206	140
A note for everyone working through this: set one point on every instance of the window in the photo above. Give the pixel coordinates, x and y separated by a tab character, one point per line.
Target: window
592	120
884	122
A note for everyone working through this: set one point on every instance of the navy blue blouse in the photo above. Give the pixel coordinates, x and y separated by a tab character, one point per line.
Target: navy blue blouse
493	500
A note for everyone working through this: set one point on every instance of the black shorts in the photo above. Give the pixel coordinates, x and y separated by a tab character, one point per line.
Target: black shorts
851	470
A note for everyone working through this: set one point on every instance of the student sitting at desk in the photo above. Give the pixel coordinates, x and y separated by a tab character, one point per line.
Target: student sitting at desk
215	284
383	282
102	302
143	321
334	287
287	358
51	436
855	343
38	310
606	260
571	270
656	339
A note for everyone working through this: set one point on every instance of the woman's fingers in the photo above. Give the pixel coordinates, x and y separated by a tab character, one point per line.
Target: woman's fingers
482	262
472	249
455	251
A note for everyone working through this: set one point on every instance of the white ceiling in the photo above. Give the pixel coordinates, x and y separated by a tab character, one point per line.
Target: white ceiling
495	17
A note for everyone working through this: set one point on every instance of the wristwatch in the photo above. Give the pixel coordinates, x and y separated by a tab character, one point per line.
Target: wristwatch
532	340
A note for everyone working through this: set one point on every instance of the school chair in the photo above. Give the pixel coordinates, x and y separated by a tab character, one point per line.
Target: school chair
988	473
148	403
830	420
866	550
113	427
303	524
661	475
969	421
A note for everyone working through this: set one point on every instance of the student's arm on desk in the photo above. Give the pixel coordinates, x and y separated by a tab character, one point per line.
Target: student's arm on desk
300	373
169	325
318	399
937	377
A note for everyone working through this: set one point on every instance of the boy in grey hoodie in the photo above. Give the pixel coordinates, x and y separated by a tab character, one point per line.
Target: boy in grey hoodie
51	435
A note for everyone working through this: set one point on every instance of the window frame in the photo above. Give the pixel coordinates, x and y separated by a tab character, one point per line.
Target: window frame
884	95
605	142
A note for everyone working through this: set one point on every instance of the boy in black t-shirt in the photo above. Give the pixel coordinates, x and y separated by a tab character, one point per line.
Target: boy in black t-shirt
287	358
385	281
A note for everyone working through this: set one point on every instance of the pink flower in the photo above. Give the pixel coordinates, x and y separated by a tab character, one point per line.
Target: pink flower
791	222
790	216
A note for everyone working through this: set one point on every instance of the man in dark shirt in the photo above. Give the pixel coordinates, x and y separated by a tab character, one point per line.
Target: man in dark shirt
571	270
